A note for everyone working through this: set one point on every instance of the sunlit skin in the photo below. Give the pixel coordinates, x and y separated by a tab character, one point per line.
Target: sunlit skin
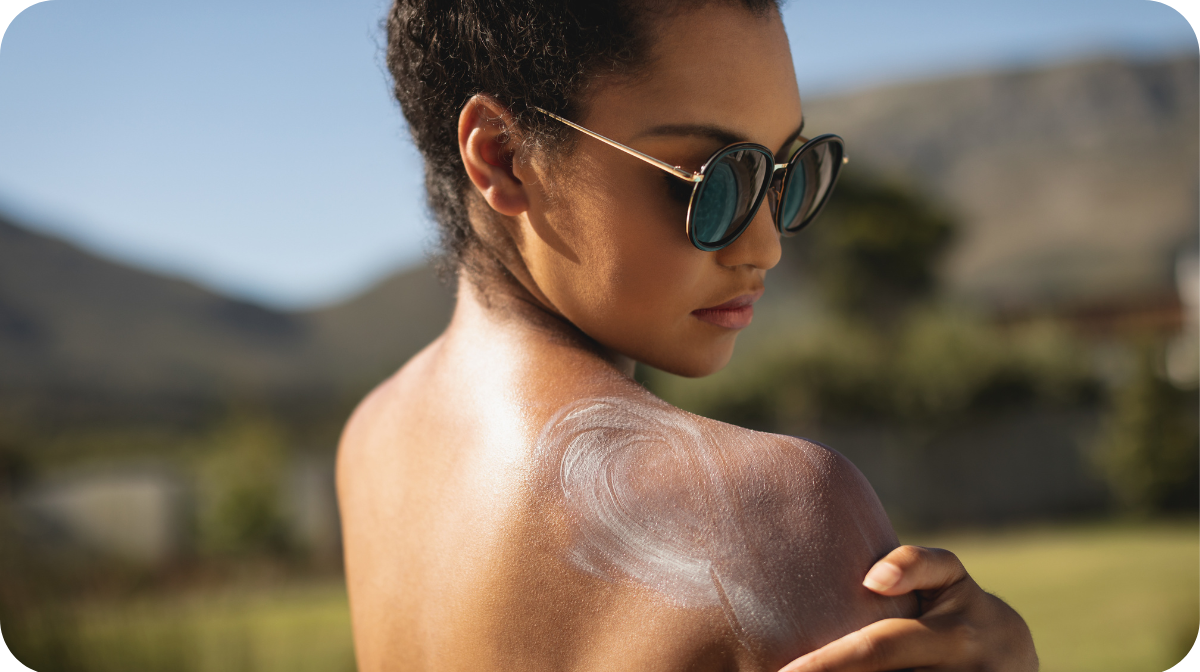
618	264
455	532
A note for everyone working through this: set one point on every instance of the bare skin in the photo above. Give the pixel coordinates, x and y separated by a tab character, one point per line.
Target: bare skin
458	540
467	546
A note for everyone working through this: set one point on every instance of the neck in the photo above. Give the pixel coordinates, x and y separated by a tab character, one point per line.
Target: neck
508	310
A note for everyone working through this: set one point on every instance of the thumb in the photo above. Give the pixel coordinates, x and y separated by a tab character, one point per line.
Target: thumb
910	568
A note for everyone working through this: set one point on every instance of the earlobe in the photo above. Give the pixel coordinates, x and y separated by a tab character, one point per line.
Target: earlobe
487	149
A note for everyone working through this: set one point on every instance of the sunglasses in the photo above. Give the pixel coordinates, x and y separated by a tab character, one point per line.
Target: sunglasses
731	185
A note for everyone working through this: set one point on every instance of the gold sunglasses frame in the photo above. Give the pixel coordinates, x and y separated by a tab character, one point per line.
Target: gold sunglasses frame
698	176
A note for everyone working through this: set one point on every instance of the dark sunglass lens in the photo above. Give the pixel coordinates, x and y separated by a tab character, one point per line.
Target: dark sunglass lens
716	204
793	195
731	192
809	184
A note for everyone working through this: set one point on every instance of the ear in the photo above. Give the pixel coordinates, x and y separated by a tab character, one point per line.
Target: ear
487	147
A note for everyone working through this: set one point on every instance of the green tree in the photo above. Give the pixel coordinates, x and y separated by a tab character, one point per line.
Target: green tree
1150	443
241	489
876	248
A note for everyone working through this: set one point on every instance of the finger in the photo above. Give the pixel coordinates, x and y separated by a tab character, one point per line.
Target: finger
910	568
890	644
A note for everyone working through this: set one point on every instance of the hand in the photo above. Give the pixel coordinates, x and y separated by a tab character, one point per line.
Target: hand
960	626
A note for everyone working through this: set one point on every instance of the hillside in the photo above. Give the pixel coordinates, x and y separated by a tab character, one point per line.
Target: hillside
80	334
84	338
369	336
1074	183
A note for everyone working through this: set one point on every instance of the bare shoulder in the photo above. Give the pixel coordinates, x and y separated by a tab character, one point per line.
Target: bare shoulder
672	451
805	475
374	421
776	531
366	416
362	427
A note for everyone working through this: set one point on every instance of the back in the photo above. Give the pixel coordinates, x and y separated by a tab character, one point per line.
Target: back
521	523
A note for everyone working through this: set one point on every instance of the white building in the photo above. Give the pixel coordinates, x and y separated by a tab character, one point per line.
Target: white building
1183	353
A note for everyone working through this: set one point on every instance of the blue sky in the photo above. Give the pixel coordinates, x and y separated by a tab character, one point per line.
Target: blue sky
253	146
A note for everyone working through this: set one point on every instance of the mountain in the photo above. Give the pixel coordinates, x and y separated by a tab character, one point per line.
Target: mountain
82	338
370	335
1073	183
81	332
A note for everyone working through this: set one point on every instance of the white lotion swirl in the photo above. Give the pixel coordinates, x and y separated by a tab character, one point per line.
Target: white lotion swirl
725	521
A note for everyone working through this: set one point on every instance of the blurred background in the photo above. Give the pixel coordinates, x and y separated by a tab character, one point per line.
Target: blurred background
212	239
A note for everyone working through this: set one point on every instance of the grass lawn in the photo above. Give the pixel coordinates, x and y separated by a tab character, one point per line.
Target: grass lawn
301	628
1097	598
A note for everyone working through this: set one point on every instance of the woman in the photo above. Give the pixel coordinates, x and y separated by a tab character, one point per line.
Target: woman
511	498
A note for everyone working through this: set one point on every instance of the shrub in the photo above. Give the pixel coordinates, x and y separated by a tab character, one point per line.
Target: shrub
1149	445
241	474
933	365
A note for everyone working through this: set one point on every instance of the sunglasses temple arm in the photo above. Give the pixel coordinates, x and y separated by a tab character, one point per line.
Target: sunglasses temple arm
674	170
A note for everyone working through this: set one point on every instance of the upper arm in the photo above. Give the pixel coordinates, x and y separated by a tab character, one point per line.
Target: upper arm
803	528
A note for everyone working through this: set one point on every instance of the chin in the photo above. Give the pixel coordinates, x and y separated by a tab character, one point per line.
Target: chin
696	362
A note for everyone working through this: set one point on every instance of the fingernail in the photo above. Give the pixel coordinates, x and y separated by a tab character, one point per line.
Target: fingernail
882	576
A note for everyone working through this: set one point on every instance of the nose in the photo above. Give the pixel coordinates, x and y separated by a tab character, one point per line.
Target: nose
758	246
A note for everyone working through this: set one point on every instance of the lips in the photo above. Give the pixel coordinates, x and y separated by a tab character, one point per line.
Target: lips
733	314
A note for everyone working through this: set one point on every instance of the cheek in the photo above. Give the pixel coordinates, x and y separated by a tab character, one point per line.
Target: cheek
626	273
655	276
634	254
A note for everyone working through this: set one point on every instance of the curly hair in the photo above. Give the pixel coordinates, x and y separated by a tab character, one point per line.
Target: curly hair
522	53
